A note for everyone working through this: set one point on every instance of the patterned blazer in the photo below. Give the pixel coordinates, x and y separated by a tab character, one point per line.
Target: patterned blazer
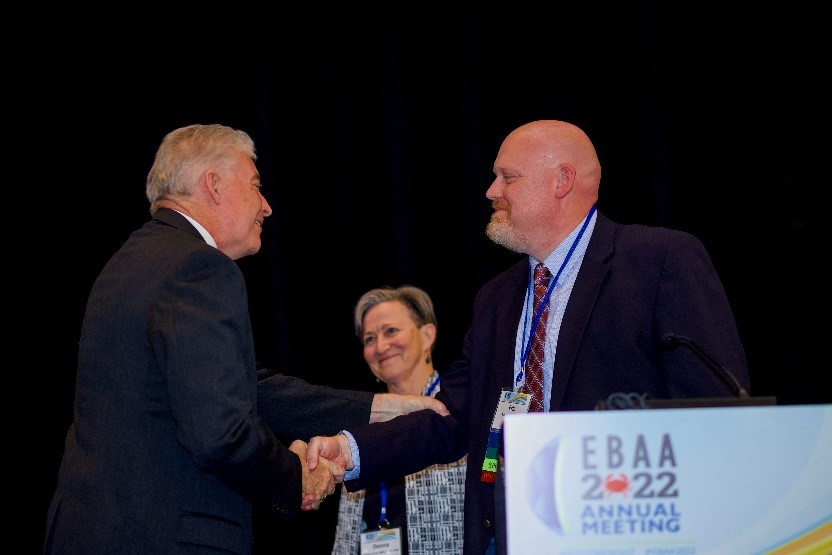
434	500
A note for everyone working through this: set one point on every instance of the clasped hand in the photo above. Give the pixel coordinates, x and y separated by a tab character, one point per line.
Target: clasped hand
318	479
324	460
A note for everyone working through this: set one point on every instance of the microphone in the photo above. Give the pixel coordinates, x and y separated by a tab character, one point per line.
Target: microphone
671	340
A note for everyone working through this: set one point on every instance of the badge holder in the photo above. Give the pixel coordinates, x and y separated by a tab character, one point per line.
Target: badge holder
509	402
385	540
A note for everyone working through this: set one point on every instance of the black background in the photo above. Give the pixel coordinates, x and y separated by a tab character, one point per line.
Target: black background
376	135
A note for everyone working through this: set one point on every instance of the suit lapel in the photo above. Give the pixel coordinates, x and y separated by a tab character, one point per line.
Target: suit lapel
579	308
509	309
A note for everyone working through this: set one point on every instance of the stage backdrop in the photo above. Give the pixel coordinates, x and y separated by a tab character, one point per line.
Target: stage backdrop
376	134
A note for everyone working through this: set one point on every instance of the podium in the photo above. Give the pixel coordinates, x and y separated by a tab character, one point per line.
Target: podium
677	481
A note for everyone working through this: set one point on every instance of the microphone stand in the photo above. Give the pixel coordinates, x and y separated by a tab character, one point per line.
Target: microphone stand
671	340
643	401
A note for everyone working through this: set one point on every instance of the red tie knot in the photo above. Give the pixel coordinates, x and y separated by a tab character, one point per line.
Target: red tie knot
541	274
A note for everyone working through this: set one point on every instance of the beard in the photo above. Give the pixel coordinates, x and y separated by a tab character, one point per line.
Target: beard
502	232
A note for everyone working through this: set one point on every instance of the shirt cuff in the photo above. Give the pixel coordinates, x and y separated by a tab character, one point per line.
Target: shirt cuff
356	458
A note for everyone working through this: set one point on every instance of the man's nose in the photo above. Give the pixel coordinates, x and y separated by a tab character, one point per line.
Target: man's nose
267	208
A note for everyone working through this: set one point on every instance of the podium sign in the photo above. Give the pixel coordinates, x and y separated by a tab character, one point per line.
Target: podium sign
689	481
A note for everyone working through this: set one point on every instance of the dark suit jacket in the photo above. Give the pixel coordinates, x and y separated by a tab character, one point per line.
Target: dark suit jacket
295	409
167	453
635	284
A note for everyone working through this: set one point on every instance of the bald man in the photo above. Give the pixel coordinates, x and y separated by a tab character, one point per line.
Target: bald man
615	290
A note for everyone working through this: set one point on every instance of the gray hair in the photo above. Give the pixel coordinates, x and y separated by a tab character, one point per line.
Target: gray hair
185	153
417	301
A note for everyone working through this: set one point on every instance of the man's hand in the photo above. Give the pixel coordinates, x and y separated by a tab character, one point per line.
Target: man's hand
332	449
318	481
387	406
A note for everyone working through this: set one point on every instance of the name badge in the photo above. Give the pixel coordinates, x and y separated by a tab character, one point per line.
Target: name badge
509	402
386	541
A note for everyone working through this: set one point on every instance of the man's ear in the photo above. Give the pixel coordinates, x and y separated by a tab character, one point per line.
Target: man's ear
565	177
212	184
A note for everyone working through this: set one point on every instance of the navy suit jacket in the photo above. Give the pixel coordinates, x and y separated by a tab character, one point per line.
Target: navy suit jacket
635	284
167	452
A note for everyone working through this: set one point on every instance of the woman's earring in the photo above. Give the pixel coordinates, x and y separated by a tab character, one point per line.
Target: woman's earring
427	359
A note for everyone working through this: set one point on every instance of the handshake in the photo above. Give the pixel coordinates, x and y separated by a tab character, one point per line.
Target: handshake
325	459
322	470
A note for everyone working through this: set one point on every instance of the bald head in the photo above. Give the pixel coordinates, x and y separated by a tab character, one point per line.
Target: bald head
557	142
547	176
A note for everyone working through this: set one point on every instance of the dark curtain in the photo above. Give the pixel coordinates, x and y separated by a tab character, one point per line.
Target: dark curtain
376	132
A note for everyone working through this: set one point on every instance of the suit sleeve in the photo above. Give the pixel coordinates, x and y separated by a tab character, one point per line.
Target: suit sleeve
296	409
404	445
691	301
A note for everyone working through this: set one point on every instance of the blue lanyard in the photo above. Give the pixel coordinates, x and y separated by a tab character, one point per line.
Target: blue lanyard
383	523
524	356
